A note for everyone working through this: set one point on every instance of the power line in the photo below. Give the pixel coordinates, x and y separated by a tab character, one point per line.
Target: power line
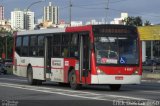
100	3
112	9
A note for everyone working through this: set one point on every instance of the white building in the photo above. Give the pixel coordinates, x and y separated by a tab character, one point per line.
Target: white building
17	19
1	12
76	23
92	22
120	20
95	22
51	13
29	20
21	20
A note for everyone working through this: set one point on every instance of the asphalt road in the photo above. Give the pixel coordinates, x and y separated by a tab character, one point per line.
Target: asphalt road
15	91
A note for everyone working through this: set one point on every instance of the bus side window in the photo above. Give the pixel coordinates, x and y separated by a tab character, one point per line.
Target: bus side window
18	45
56	45
25	46
40	45
65	47
33	51
65	51
74	48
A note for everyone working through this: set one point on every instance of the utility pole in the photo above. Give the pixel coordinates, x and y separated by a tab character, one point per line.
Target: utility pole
70	12
107	7
6	47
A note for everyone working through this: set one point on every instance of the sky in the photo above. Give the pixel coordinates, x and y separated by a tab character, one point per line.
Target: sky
85	10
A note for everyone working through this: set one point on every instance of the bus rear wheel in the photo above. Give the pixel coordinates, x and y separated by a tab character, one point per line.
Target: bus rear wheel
72	81
115	87
31	81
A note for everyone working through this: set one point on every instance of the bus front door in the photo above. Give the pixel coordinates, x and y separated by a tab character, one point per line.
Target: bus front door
84	56
47	59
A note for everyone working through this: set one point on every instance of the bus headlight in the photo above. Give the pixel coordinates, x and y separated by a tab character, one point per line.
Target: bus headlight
136	72
100	71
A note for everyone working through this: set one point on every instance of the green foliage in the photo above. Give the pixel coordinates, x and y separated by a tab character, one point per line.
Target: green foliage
133	21
6	43
147	23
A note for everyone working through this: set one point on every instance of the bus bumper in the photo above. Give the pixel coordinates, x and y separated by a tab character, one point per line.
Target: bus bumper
115	79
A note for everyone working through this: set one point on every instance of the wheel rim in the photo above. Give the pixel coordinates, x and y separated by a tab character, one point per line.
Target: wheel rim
29	77
73	79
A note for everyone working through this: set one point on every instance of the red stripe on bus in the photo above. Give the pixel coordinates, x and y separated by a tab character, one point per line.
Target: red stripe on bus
38	67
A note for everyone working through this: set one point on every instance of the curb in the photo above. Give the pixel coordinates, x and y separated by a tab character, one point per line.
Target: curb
150	80
151	76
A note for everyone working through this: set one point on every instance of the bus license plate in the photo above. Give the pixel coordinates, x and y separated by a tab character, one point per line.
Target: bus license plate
118	77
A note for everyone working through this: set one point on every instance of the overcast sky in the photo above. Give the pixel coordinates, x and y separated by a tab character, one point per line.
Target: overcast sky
86	10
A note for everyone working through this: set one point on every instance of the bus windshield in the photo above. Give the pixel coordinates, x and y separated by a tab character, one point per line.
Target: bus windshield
116	50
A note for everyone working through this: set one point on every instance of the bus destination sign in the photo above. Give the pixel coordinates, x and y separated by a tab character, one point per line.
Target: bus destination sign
114	30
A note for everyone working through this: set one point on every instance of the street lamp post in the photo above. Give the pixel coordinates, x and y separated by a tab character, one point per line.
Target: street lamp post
70	12
28	10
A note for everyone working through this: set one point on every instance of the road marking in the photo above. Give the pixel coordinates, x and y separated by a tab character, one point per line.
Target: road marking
88	95
49	88
45	91
13	79
151	91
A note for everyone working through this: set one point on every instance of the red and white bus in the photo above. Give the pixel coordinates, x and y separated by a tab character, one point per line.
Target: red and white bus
92	54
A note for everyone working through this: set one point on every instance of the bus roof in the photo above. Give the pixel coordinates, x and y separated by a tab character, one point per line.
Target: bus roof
70	29
41	31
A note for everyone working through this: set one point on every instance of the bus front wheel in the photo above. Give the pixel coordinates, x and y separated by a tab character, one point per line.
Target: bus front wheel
115	87
72	80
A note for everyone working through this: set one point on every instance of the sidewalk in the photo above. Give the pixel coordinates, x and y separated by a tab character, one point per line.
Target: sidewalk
150	76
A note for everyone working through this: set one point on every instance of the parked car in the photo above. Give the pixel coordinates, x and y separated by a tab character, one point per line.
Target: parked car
2	69
8	62
151	62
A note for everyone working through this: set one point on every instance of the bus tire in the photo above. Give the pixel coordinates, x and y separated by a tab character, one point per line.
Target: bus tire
38	82
115	87
72	81
30	79
5	72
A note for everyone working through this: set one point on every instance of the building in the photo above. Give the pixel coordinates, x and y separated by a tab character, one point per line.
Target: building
51	13
120	20
17	19
5	25
21	20
29	20
1	12
76	23
95	22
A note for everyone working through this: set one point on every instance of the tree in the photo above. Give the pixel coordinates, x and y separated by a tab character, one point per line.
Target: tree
6	42
147	23
134	21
